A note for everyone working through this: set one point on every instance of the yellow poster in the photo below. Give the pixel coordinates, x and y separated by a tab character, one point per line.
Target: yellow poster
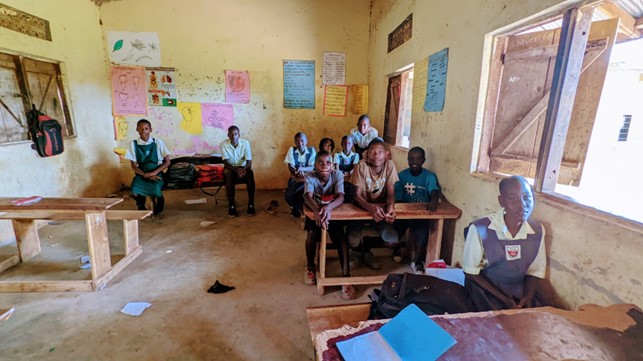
420	72
121	127
335	97
360	98
191	117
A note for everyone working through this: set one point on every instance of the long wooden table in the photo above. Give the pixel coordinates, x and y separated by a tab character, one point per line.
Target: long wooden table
348	212
95	212
590	333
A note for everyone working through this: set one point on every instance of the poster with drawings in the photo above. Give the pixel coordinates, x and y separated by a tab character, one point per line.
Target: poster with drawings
128	48
128	90
161	87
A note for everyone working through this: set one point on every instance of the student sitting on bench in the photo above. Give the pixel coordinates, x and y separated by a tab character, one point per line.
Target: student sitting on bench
300	160
504	254
237	159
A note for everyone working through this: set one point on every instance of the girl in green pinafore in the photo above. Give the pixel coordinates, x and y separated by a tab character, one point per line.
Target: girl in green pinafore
148	157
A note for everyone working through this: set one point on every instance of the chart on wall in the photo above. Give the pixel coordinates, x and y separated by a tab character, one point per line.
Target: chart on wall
299	84
237	86
334	68
128	48
128	90
436	81
161	87
335	98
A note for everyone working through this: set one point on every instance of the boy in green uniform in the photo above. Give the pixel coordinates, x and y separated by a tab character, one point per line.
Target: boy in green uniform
148	157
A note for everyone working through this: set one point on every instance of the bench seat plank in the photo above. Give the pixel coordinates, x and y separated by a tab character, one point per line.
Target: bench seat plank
59	215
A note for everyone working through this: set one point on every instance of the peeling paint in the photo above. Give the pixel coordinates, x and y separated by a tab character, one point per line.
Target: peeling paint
584	281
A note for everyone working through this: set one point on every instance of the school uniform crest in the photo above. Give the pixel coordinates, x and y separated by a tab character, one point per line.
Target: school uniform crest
512	252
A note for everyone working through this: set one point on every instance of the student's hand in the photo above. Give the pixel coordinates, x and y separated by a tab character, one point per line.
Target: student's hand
390	216
324	214
241	172
433	206
524	303
378	213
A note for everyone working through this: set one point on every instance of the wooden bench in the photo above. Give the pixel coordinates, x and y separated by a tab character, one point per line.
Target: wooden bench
349	211
95	212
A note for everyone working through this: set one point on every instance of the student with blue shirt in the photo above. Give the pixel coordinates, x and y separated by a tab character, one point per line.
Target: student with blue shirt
417	185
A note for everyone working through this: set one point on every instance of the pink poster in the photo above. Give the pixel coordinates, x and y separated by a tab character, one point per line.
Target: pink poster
217	115
237	86
129	95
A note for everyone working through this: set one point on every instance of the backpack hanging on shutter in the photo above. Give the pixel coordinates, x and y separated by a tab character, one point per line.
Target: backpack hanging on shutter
45	132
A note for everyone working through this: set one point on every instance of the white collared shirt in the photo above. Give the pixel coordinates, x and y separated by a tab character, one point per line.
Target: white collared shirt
290	159
474	258
236	156
161	149
362	140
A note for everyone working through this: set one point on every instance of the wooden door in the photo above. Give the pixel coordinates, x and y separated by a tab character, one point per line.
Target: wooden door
392	108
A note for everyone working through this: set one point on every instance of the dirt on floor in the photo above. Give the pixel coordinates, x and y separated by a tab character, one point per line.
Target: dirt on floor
264	318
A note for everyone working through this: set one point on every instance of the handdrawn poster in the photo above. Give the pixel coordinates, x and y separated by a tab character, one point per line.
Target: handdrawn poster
436	81
299	84
128	48
190	117
359	93
334	68
217	115
335	97
128	90
237	86
161	87
121	127
420	71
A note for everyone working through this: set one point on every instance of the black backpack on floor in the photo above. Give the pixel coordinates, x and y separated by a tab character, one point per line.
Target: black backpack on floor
432	295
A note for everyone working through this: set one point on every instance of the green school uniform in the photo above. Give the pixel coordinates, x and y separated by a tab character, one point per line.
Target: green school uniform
147	160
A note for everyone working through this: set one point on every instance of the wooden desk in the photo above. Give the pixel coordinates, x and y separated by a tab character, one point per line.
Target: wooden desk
95	212
348	211
590	333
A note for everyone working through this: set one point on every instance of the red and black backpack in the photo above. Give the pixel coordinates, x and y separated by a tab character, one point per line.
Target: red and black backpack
45	132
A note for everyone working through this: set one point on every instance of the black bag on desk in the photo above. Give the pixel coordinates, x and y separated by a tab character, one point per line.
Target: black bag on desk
181	175
432	295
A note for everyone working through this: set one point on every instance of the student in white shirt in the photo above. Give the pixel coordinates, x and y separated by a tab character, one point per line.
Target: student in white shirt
237	159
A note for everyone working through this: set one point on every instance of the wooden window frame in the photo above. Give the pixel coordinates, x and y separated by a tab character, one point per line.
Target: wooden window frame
26	94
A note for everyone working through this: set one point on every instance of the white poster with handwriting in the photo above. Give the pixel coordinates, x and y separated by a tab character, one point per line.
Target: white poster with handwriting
334	69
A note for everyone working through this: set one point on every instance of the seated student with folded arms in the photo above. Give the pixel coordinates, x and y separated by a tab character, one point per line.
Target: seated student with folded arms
237	159
324	192
417	185
504	253
374	181
300	160
148	157
363	134
345	161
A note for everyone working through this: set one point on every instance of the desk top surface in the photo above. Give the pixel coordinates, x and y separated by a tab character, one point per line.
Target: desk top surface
79	204
349	211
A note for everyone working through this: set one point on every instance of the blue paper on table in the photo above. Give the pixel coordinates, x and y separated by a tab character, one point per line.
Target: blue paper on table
409	336
135	308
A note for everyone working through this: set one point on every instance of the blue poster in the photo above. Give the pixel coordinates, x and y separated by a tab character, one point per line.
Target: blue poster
436	81
299	84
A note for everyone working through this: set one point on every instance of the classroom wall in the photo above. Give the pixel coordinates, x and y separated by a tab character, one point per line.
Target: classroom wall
81	170
591	260
201	39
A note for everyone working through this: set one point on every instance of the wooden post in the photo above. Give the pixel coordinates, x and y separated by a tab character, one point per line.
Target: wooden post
98	243
27	238
569	60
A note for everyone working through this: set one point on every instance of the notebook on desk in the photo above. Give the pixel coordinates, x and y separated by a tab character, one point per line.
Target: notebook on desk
409	336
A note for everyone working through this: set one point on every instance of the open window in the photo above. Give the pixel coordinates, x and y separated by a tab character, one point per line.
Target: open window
399	98
544	95
27	81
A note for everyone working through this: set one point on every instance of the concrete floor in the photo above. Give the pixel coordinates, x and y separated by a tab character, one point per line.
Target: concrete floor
264	318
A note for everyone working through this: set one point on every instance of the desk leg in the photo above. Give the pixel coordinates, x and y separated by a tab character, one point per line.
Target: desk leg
130	232
322	262
98	243
435	242
27	238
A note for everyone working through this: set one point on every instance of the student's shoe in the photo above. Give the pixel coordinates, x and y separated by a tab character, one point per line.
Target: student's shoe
309	276
348	292
354	259
371	261
397	256
295	212
251	210
418	268
272	206
232	212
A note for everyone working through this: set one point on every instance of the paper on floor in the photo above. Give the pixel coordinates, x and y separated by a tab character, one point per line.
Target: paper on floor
135	308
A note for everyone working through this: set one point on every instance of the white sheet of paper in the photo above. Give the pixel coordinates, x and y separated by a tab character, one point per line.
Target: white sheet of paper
135	308
367	347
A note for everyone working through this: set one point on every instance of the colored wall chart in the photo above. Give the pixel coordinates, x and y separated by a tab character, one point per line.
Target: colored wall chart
190	117
161	87
237	87
128	90
217	115
299	84
129	48
436	81
334	68
335	97
360	98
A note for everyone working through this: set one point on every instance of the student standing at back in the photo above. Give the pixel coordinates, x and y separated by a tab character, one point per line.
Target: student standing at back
237	159
417	185
300	160
363	134
148	158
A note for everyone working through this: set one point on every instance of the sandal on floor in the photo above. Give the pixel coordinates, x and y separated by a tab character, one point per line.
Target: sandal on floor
309	276
348	292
